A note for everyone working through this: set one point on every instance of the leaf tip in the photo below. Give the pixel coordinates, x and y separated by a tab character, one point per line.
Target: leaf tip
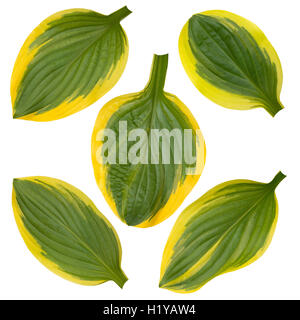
18	115
16	181
120	279
15	115
162	283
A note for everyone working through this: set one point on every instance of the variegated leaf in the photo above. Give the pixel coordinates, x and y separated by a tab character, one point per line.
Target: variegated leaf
67	63
66	232
231	62
228	228
146	192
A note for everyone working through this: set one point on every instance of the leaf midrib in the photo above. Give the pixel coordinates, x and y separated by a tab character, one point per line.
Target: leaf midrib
82	52
154	96
255	204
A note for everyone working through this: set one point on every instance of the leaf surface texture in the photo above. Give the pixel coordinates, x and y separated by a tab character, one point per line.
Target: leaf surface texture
231	62
66	232
226	229
146	193
67	63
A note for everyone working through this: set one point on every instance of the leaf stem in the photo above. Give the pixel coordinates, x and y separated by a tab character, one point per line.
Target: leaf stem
278	178
158	73
274	108
120	14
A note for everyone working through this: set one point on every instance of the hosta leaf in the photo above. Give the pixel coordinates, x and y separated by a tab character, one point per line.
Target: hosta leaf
67	63
226	229
66	232
231	62
146	192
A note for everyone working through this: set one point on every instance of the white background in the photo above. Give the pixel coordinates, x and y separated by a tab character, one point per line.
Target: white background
240	144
